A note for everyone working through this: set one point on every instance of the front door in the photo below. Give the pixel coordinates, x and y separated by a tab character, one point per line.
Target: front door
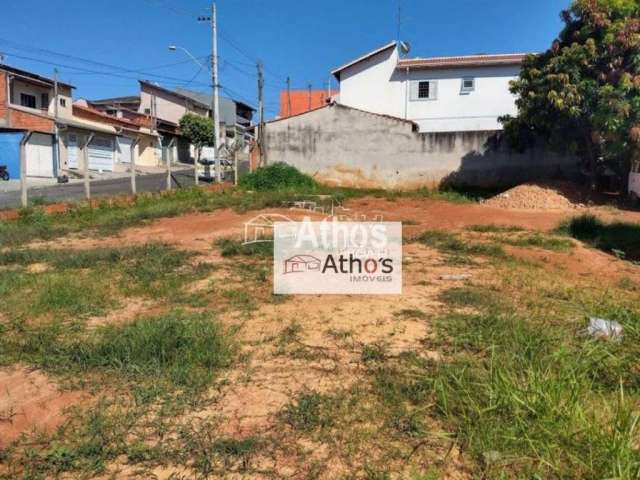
73	152
39	151
124	147
101	154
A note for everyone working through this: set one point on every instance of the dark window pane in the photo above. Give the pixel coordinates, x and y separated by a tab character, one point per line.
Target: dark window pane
423	90
27	100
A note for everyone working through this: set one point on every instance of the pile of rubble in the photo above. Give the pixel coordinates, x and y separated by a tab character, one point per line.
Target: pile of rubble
553	196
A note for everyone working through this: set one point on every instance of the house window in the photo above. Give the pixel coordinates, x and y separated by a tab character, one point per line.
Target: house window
44	101
468	84
147	111
27	100
63	102
424	90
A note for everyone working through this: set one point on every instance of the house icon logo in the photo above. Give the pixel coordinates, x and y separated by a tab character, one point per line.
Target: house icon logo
302	264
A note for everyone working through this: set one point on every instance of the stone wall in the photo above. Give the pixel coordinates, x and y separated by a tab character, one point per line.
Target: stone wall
340	145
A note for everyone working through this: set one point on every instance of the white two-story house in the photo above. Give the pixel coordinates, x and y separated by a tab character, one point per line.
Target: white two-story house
441	94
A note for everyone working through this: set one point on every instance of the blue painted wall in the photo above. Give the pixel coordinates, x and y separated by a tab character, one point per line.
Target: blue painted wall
10	152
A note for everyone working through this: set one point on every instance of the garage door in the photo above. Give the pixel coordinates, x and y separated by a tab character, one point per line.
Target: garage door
73	152
124	149
101	154
39	151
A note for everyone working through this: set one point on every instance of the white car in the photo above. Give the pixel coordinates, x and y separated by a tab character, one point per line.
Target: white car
634	180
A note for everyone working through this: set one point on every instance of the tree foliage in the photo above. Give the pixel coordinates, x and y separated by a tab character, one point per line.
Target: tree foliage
583	94
198	130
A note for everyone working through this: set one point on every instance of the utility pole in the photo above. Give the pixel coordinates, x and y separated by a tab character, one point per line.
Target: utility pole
215	103
261	111
288	96
56	133
214	79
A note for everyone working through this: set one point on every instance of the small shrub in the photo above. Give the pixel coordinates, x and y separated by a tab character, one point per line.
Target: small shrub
277	176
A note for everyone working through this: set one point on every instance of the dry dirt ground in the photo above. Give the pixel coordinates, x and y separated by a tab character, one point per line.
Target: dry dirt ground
310	343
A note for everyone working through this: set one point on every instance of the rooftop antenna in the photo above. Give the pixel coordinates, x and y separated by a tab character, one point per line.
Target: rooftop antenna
399	20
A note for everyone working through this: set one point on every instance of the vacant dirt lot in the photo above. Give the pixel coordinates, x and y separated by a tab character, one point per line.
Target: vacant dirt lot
299	359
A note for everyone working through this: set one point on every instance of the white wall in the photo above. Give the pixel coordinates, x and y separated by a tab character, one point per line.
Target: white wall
377	86
342	146
457	111
169	107
372	85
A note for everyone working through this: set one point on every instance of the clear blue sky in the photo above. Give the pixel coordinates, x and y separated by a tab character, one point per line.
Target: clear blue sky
298	38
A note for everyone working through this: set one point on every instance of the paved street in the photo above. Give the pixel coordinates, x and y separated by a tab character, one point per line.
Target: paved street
99	188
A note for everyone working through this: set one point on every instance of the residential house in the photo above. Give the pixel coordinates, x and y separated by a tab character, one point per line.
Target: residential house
165	108
28	104
116	141
409	123
295	102
440	94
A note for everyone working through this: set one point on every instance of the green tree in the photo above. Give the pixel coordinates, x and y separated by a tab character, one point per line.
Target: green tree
583	94
198	130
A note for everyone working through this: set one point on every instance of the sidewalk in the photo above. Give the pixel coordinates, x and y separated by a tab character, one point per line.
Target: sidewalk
102	184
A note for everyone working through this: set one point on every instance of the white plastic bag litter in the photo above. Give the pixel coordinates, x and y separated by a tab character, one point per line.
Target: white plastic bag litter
601	328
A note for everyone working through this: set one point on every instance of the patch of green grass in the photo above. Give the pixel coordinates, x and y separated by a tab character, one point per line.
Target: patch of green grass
532	400
78	283
620	238
240	299
373	353
172	351
538	240
61	294
277	176
309	412
449	243
468	297
232	248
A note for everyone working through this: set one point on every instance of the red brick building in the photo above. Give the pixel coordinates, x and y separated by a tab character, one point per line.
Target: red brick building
300	101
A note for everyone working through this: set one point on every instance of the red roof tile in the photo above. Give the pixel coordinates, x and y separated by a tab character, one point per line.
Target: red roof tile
463	61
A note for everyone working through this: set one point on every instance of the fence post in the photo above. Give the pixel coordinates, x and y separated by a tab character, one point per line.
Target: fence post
169	158
24	201
134	147
85	167
235	167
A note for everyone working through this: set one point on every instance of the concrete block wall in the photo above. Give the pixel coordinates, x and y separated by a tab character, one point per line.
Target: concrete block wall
343	146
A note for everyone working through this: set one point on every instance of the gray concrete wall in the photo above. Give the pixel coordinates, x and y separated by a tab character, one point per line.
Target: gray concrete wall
339	145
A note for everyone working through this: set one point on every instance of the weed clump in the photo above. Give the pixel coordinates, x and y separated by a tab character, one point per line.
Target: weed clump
277	176
308	413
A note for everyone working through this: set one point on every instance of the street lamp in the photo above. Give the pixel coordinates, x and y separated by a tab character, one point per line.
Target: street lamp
173	48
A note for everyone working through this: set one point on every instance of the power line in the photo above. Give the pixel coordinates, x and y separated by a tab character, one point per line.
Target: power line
23	47
109	74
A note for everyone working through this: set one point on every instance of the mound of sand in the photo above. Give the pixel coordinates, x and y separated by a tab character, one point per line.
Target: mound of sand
557	196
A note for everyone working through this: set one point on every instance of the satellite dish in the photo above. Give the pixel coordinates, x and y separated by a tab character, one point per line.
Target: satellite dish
405	47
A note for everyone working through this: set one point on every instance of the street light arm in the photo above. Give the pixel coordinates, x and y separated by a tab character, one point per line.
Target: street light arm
173	48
